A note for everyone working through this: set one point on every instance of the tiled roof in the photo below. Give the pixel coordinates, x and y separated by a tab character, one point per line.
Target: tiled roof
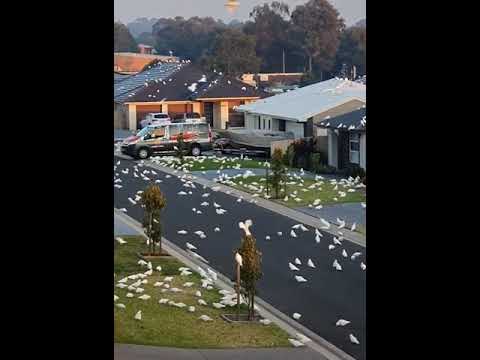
189	82
355	120
128	87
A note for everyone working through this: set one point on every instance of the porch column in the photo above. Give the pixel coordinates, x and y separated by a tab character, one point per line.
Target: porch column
223	113
196	107
164	108
132	117
332	149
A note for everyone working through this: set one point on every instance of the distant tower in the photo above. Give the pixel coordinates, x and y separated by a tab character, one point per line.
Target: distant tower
231	6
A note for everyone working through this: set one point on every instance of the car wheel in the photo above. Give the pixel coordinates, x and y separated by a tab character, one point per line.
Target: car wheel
143	153
196	151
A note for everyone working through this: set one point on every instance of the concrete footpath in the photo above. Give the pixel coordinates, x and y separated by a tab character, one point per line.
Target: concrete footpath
141	352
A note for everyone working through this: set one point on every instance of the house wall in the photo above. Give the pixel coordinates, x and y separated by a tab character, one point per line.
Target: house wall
132	117
296	128
332	149
120	117
363	150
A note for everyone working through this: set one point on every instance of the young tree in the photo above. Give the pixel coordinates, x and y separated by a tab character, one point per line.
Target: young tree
278	171
251	270
153	201
319	25
180	147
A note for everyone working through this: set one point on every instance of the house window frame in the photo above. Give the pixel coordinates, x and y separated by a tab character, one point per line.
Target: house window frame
354	138
259	122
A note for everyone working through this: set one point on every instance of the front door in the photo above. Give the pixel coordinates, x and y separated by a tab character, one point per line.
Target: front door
208	109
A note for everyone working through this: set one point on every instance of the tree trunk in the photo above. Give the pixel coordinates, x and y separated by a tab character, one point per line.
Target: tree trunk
152	246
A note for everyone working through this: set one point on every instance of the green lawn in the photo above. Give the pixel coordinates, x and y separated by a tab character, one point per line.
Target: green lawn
325	192
164	325
202	163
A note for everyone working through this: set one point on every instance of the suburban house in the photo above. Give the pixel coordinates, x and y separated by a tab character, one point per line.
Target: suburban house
132	63
300	109
180	87
146	49
273	82
347	138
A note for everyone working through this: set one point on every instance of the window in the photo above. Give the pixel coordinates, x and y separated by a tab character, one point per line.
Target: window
175	129
263	124
269	124
354	148
281	125
160	116
259	123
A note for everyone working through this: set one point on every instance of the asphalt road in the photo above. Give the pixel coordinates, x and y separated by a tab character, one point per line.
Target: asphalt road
327	296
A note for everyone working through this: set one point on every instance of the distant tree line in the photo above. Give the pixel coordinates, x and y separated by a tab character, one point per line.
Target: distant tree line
312	38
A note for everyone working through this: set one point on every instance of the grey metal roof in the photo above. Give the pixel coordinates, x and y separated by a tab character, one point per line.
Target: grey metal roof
355	120
128	87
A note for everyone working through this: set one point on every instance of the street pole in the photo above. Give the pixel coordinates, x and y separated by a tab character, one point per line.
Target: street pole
283	61
238	291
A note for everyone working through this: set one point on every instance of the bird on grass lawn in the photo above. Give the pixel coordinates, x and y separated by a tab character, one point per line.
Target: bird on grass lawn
205	318
296	343
138	315
120	240
121	306
144	297
202	302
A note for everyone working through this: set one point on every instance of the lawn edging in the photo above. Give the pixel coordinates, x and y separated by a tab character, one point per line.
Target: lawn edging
264	309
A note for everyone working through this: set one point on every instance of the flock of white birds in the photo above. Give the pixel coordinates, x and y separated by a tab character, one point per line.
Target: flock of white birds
183	173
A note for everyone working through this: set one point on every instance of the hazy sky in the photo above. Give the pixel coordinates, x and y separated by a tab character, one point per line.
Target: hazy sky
128	10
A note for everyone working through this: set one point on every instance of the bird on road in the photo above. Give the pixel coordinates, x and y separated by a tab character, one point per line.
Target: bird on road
293	267
363	266
300	226
245	226
341	222
297	261
310	263
217	229
342	322
190	246
220	211
182	232
331	247
297	316
336	241
354	340
292	234
300	278
336	265
355	255
344	253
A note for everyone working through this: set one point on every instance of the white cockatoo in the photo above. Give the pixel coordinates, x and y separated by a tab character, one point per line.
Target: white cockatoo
310	263
353	339
300	278
120	240
342	322
297	316
296	343
238	259
245	226
293	267
138	315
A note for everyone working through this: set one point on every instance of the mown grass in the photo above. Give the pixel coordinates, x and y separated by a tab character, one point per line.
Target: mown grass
203	163
164	325
326	193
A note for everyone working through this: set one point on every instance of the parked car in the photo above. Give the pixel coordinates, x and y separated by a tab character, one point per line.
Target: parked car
161	139
183	117
155	119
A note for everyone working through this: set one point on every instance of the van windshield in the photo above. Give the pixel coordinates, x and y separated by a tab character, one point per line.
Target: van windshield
144	131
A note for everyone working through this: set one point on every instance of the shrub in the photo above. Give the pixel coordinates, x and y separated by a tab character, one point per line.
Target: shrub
354	170
278	171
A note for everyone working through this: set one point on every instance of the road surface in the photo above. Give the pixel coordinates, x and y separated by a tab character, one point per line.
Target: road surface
327	296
